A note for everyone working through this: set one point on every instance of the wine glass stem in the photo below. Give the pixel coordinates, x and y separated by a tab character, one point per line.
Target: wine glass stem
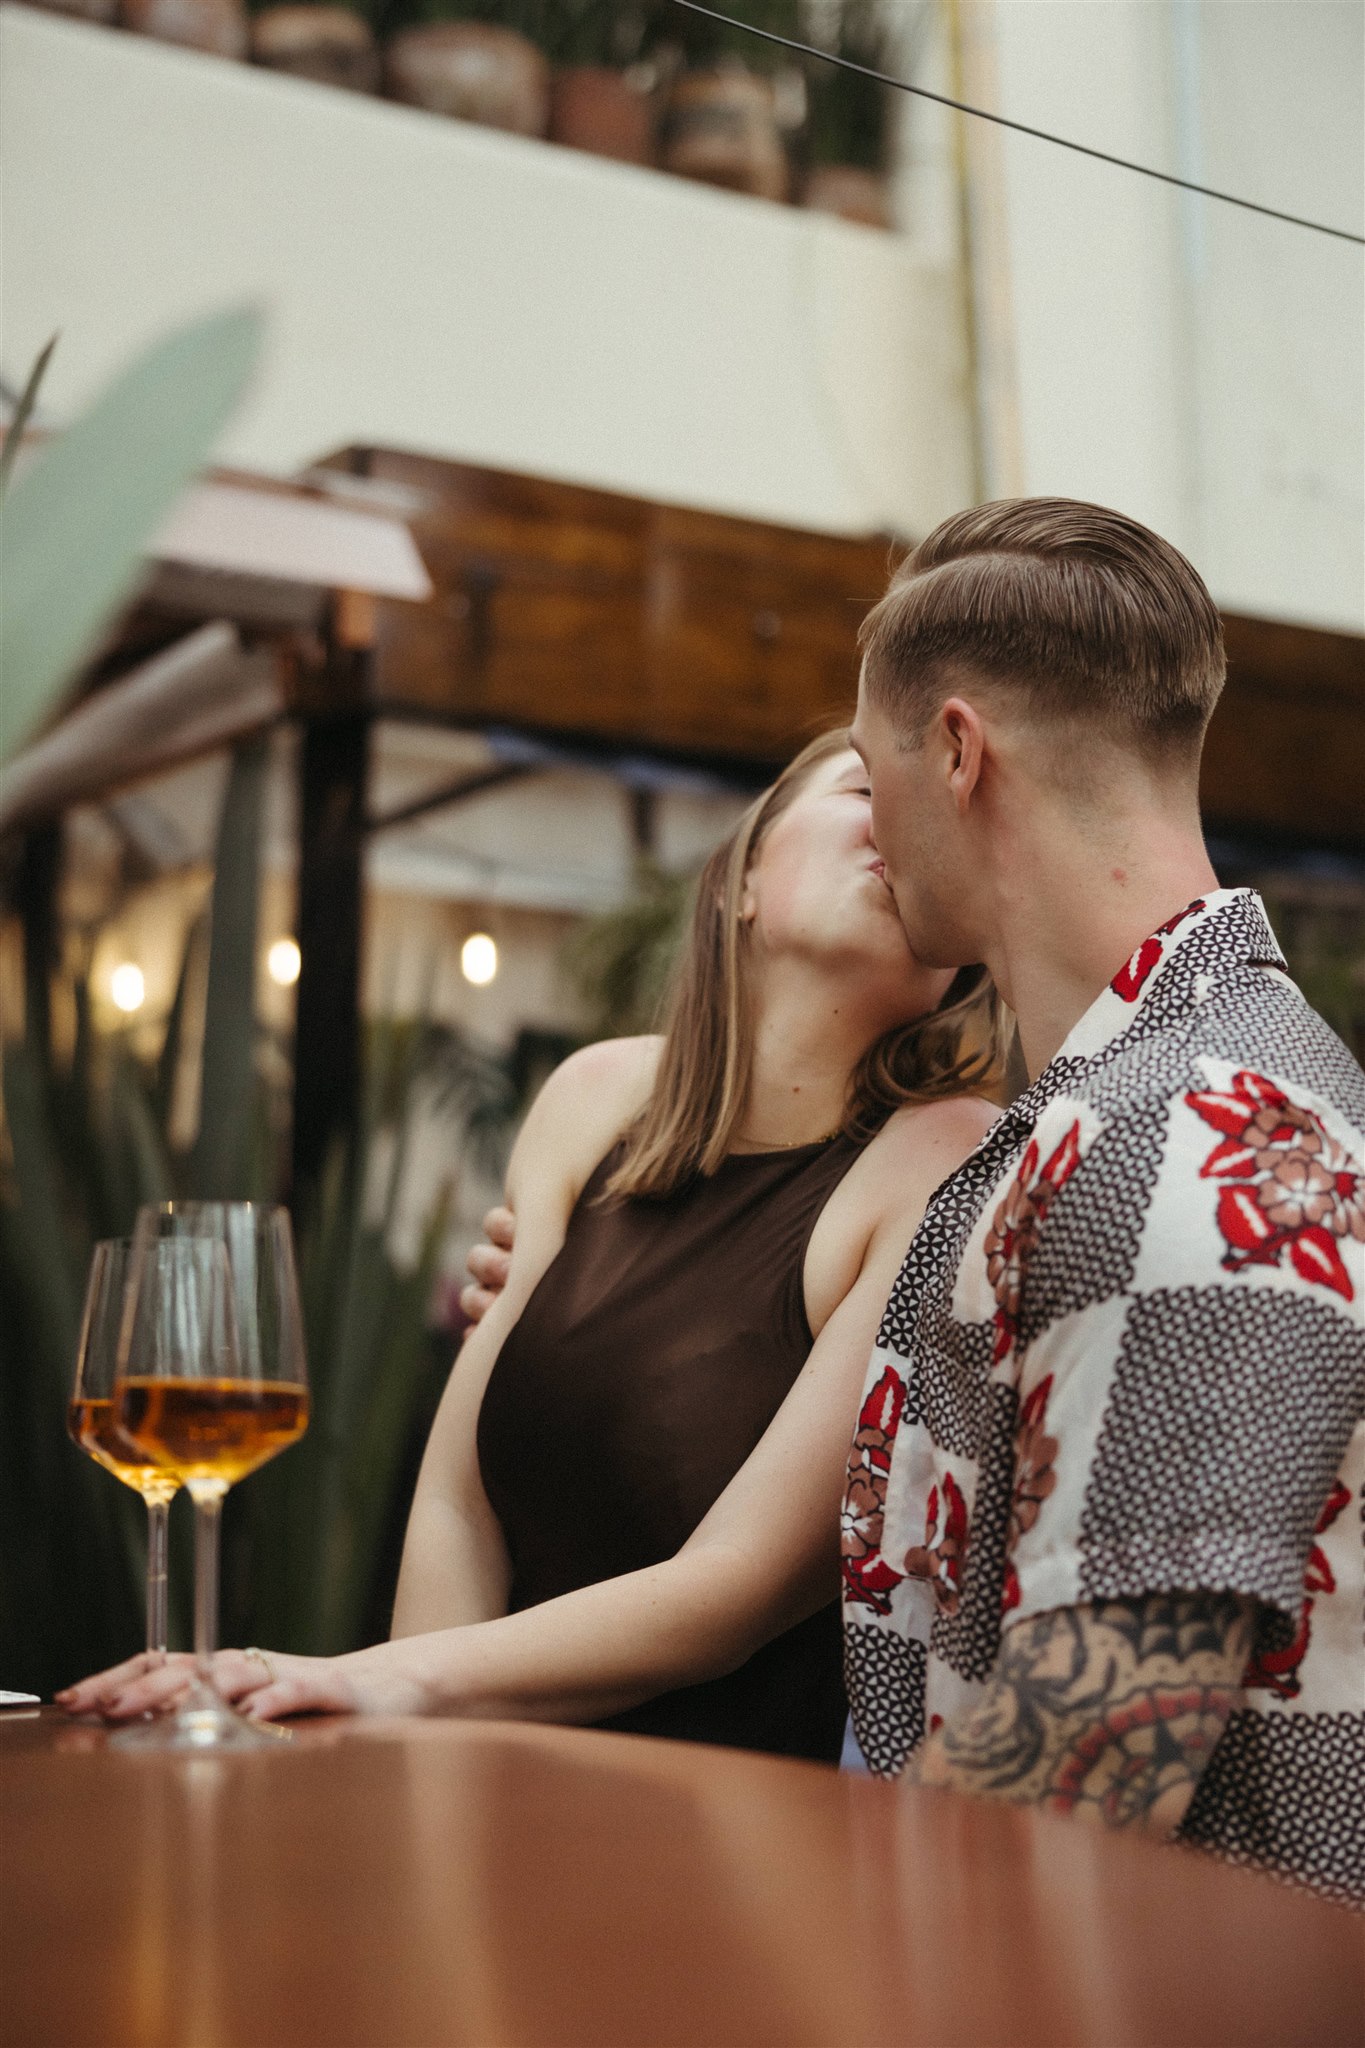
158	1514
207	1521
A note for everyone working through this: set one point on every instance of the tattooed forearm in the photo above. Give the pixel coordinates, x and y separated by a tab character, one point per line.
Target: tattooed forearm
1111	1709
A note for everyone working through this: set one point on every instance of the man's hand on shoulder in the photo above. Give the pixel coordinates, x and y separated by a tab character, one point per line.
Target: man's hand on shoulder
1110	1710
488	1264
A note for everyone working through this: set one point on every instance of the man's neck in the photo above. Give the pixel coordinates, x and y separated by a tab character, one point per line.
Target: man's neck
1069	919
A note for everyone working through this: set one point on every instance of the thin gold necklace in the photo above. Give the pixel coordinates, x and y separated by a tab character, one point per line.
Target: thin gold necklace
790	1144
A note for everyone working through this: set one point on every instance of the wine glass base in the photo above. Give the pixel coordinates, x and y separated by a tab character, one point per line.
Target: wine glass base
202	1723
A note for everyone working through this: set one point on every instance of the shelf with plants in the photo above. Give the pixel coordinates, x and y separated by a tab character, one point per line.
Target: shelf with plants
642	81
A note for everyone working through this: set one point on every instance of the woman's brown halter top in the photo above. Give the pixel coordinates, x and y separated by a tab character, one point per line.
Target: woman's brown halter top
642	1372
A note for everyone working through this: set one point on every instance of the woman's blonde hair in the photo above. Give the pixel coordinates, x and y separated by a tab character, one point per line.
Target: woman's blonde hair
690	1122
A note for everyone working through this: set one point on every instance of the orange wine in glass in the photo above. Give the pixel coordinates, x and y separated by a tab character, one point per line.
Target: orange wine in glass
91	1421
211	1383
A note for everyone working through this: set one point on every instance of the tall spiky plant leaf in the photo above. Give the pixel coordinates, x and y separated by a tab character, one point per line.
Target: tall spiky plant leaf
78	522
221	1165
173	1044
23	412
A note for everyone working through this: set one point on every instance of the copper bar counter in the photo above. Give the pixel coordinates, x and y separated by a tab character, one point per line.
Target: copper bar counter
417	1884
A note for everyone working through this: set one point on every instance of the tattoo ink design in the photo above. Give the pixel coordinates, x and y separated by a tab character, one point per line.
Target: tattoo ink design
1111	1709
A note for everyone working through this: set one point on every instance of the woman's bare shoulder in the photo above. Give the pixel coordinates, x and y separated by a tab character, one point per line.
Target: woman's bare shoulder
614	1069
877	1207
958	1120
920	1145
583	1108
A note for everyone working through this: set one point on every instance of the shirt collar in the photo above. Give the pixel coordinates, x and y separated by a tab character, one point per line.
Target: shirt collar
1180	964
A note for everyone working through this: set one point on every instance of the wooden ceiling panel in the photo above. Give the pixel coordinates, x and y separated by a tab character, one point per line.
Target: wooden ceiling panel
596	615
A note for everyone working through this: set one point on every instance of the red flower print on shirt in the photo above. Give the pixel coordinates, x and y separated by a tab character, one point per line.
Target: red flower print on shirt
1277	1671
1132	976
868	1578
940	1557
1035	1477
1015	1227
1290	1188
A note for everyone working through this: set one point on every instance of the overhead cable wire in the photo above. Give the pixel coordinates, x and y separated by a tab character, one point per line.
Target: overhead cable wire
1102	156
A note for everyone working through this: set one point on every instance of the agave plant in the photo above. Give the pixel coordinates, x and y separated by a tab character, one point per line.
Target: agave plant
310	1543
85	1136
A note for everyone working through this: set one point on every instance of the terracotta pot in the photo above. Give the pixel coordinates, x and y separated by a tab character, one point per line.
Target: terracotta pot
331	44
852	194
473	72
216	26
721	127
84	10
596	109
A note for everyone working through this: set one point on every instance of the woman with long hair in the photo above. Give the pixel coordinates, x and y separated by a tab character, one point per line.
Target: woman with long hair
628	1510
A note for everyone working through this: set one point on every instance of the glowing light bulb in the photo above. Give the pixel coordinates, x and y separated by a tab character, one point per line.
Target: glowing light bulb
479	959
283	962
127	988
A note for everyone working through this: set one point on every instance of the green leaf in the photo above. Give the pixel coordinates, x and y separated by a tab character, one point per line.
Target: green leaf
221	1162
78	522
23	412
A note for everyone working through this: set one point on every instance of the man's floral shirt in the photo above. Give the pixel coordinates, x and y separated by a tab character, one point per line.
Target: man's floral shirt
1126	1354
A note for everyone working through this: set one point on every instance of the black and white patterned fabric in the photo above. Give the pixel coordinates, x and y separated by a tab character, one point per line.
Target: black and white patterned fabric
1126	1355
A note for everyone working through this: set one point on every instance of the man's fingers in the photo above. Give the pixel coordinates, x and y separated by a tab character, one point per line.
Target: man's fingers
489	1266
476	1302
499	1226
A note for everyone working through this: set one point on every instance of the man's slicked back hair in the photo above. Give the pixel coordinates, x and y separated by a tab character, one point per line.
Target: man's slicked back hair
1085	615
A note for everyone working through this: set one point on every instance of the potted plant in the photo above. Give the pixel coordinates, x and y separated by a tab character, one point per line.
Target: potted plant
217	27
724	110
848	125
601	94
84	10
477	60
332	45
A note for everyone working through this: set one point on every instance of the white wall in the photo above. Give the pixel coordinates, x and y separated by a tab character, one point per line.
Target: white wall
1188	362
437	286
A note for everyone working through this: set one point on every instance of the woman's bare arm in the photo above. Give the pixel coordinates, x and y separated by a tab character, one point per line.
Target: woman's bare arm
764	1557
454	1567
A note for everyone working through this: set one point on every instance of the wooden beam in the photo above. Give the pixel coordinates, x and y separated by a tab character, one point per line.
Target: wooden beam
591	615
333	772
1286	749
580	612
35	894
458	791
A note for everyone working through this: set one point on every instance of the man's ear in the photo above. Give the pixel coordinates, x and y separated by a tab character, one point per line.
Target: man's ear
964	748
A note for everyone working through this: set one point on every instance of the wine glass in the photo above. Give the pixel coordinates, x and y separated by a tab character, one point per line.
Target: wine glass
211	1383
90	1419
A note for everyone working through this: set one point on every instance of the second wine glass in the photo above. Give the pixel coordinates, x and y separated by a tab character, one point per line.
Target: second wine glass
212	1382
90	1419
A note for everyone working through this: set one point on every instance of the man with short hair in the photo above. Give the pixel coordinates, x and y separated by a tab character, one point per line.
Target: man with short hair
1103	1526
